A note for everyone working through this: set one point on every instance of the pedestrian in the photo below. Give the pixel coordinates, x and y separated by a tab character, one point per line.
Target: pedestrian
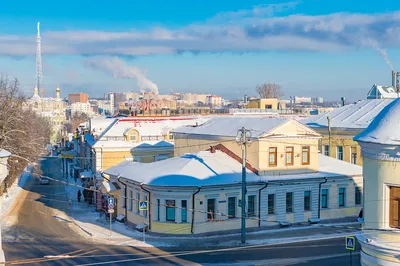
79	195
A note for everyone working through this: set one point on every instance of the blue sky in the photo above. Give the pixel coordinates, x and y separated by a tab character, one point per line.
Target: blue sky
310	47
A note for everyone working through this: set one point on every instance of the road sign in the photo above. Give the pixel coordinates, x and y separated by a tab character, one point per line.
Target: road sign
110	206
110	210
110	201
350	243
143	205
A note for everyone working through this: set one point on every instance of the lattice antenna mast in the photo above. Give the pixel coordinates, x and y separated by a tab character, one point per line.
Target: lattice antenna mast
39	74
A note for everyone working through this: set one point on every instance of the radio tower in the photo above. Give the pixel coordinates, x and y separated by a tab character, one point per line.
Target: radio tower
39	74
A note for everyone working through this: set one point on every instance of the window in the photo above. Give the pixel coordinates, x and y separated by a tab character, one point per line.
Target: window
184	211
354	155
305	155
130	200
137	201
289	201
211	209
307	200
251	209
124	199
158	209
289	155
339	153
170	136
342	192
271	203
326	150
132	137
394	207
170	210
357	193
324	198
272	156
145	211
268	106
231	207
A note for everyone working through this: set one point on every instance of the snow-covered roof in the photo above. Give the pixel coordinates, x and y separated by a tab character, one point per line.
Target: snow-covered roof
382	92
147	126
385	128
4	153
206	169
355	116
151	144
229	126
98	125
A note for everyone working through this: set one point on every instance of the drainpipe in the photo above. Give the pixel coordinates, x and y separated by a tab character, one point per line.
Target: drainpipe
259	204
319	197
193	212
126	197
148	205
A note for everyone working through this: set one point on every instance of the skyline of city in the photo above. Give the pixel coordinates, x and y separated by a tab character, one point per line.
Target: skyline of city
297	44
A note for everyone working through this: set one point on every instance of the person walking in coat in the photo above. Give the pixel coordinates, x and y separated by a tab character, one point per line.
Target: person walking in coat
79	195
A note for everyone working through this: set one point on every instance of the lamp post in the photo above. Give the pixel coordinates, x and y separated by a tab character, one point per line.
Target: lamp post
243	138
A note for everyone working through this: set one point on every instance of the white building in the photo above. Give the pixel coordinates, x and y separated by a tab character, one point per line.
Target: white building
298	99
79	107
380	144
317	100
214	101
382	92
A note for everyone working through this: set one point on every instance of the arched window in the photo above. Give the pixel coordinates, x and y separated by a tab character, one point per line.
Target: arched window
170	135
133	136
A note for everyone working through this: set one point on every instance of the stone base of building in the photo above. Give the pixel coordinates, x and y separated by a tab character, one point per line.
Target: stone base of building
367	260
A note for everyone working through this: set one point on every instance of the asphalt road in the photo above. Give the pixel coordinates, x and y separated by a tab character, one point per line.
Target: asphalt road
40	237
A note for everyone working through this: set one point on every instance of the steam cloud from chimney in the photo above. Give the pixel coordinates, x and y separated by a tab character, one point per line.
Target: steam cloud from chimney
374	44
118	69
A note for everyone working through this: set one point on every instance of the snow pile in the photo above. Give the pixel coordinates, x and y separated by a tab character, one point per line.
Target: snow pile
13	191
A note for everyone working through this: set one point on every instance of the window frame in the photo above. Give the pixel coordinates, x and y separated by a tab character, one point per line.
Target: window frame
289	209
145	211
326	150
353	155
123	205
234	208
137	202
271	209
308	155
275	154
130	203
184	211
211	215
158	210
307	200
291	153
357	196
341	153
167	207
253	213
392	199
326	197
342	196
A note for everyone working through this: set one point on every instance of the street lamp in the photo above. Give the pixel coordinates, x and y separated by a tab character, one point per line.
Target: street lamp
243	138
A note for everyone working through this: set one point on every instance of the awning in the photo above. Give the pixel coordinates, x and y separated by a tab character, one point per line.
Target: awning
107	187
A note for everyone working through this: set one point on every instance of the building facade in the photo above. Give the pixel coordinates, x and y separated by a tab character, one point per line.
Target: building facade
199	190
78	97
343	124
380	241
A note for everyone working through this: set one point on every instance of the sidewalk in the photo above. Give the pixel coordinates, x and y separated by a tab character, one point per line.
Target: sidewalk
94	226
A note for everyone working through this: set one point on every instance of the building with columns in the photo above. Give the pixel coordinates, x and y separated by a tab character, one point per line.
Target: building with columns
380	145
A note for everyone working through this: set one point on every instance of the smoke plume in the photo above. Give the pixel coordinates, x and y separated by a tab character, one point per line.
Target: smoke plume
374	44
118	69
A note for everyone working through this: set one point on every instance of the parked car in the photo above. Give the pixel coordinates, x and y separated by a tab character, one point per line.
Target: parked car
44	181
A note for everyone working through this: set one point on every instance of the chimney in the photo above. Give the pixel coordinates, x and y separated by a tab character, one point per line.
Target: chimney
394	79
212	149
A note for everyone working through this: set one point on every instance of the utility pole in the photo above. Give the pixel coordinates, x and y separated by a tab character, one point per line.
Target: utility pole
329	135
243	138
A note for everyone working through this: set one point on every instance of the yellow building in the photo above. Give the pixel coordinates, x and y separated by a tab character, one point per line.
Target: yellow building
144	139
264	104
199	190
345	123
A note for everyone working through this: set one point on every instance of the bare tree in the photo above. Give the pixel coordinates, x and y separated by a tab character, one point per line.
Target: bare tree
76	119
269	90
22	132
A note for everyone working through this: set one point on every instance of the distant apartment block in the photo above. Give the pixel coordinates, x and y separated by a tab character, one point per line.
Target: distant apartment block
298	99
78	97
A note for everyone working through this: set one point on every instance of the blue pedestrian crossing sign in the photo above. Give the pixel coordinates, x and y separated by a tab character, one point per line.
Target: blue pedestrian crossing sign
143	205
350	243
110	201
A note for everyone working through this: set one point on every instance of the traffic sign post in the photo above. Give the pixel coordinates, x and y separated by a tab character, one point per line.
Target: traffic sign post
110	202
350	245
143	205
